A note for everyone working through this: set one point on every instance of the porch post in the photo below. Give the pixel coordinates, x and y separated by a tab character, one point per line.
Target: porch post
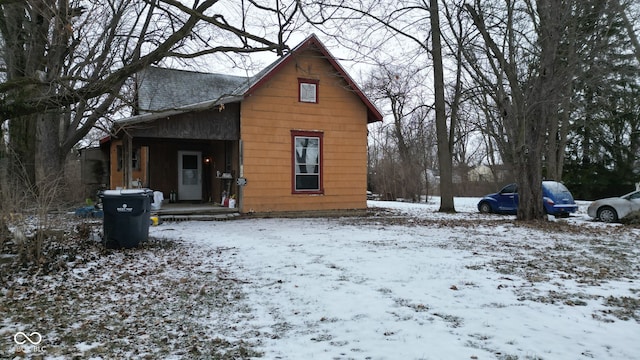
240	175
127	164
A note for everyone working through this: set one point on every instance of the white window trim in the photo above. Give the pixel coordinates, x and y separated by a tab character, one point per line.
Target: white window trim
308	91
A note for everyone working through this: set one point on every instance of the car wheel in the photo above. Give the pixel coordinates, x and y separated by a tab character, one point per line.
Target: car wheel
485	208
607	214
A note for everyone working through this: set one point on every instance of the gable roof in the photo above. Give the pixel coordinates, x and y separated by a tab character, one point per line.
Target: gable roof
165	92
373	114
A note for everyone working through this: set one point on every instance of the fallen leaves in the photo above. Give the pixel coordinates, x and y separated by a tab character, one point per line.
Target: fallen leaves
144	303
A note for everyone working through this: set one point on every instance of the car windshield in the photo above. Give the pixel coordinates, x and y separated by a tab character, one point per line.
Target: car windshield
632	196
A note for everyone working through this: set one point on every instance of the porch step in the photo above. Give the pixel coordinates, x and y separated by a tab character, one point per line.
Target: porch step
199	217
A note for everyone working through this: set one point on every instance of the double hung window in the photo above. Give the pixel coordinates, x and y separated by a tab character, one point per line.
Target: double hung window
307	162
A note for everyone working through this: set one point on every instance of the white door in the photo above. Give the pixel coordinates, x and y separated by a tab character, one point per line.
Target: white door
189	175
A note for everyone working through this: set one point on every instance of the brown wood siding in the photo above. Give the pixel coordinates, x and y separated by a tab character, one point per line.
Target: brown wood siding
163	167
214	124
273	111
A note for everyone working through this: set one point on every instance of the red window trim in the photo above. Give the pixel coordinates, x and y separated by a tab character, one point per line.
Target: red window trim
320	135
309	81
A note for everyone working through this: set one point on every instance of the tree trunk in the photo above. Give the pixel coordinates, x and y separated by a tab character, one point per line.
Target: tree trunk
528	175
49	160
403	151
445	161
564	123
22	142
4	191
542	111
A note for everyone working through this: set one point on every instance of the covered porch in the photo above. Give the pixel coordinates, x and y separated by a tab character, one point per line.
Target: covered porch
192	157
195	171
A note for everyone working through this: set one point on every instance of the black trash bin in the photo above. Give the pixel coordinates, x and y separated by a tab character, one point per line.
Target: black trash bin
126	217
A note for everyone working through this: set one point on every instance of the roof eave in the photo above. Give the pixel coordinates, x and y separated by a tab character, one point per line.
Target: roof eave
138	119
373	117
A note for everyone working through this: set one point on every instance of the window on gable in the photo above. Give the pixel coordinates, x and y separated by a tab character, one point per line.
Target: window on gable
307	162
308	90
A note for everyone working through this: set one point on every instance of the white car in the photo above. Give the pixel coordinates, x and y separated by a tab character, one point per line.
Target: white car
615	208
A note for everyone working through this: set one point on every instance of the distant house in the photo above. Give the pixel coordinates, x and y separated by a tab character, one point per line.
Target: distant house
291	138
490	173
481	173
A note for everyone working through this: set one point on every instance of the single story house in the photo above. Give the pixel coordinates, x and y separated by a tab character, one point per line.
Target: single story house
291	138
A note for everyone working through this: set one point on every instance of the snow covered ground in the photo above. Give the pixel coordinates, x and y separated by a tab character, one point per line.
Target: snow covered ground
404	282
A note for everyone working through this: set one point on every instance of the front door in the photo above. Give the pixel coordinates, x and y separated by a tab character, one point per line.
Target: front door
189	175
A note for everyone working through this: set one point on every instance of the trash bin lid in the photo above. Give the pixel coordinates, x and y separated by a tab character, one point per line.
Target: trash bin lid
125	192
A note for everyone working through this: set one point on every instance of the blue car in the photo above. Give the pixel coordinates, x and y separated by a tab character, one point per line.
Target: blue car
557	200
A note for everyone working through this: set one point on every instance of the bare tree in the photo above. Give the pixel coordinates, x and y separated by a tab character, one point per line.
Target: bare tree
622	10
445	158
398	88
65	63
515	61
536	63
530	85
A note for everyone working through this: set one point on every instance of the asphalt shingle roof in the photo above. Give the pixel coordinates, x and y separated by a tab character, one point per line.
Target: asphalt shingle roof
162	89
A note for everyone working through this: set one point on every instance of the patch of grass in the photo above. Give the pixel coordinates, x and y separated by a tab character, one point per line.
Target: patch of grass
452	320
623	307
557	297
407	303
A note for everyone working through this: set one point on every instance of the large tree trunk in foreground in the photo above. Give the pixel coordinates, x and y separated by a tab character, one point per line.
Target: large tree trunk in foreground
49	161
445	159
